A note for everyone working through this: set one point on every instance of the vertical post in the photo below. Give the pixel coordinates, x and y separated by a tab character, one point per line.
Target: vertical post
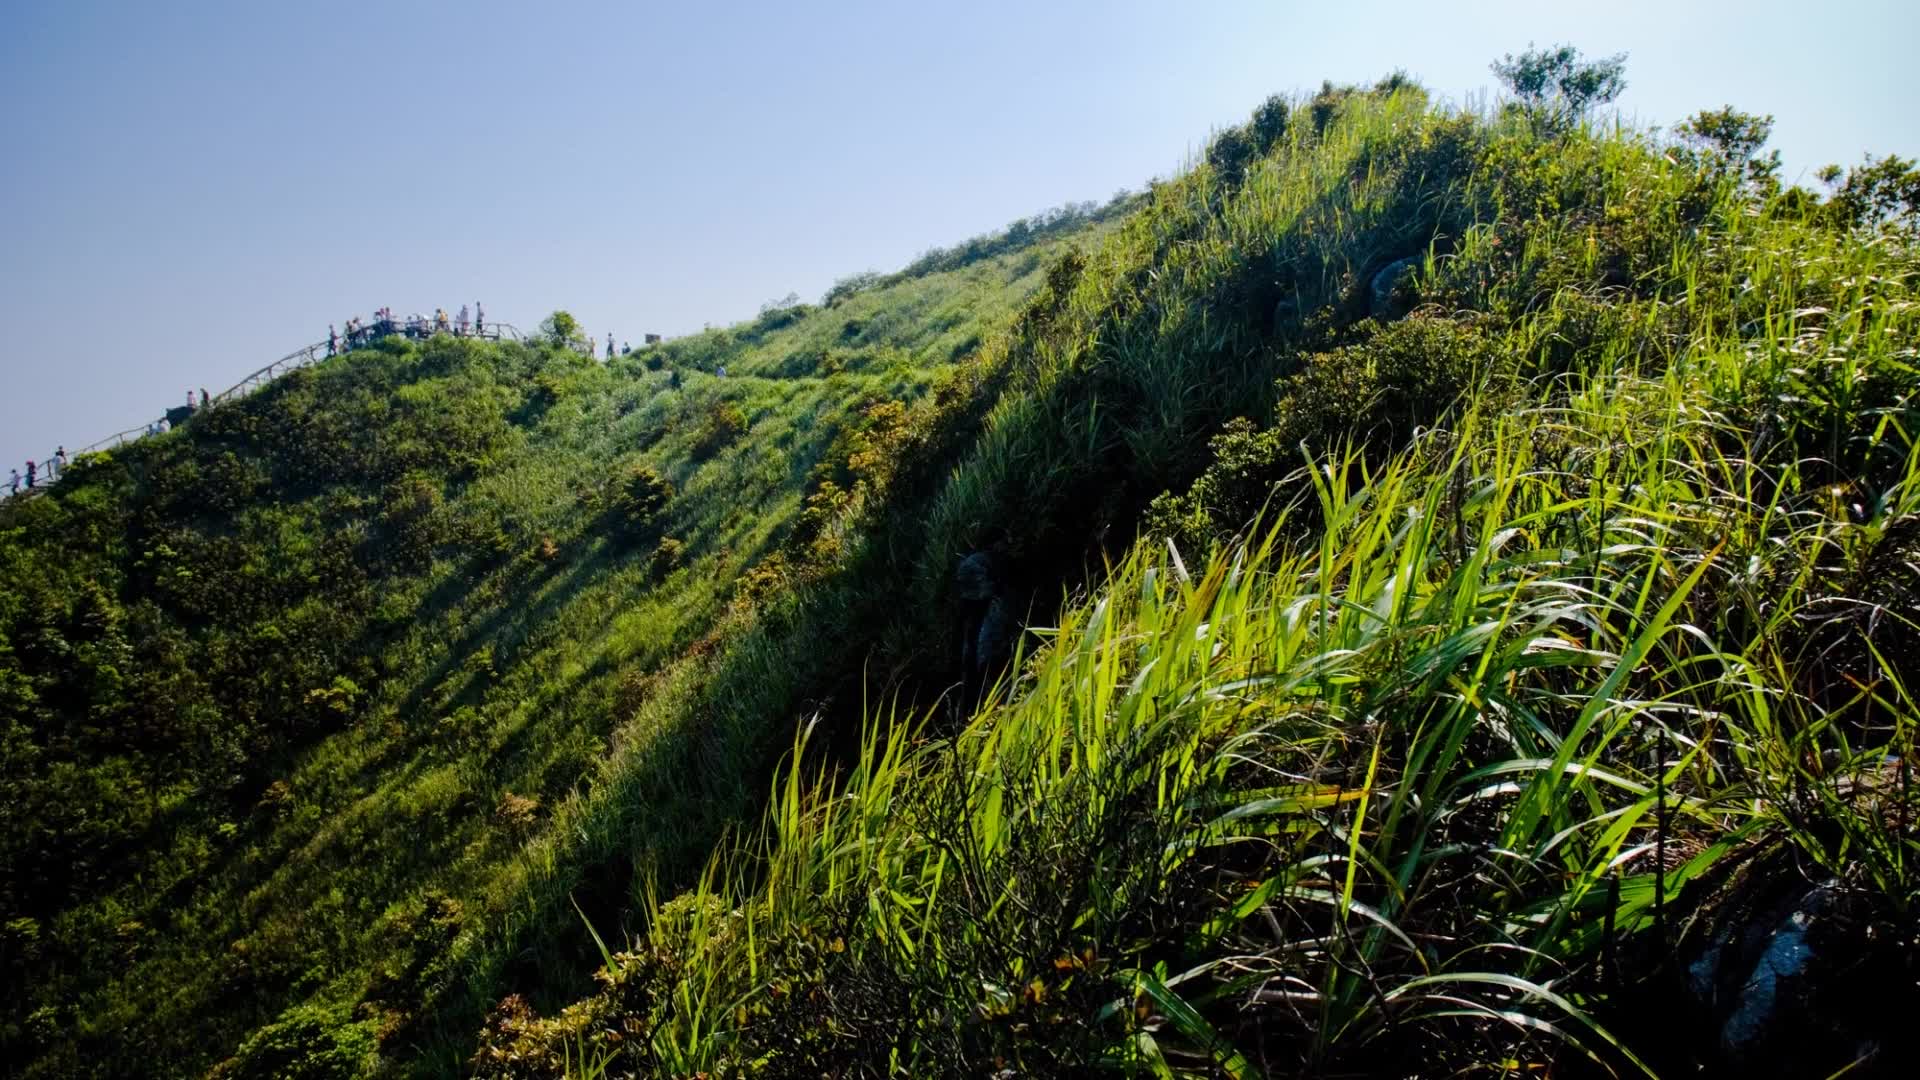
1660	840
1609	967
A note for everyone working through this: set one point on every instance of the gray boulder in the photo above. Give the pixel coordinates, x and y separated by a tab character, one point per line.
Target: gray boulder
1382	302
978	576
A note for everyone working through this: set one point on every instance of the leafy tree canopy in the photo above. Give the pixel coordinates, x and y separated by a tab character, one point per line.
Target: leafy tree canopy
1556	86
1728	140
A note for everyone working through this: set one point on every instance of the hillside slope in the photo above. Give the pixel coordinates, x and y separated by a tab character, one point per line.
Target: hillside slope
301	699
1514	672
1398	598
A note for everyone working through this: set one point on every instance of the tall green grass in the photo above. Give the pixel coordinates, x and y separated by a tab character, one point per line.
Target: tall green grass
1441	765
1325	806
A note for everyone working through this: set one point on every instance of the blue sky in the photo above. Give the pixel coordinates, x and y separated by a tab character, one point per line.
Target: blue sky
191	189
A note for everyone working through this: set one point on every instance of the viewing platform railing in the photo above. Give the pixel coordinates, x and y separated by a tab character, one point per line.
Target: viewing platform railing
293	361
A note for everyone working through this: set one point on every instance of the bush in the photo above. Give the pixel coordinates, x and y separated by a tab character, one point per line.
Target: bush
850	286
1269	123
723	426
1326	105
667	556
562	331
307	1042
1377	392
637	505
1230	153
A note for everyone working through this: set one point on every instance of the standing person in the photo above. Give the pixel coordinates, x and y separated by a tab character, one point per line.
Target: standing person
13	483
479	319
60	460
204	399
31	469
333	341
609	344
462	321
189	400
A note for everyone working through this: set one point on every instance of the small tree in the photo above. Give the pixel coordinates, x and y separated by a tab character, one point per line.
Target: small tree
1727	140
1269	123
562	330
1556	87
638	501
1229	154
850	286
1884	192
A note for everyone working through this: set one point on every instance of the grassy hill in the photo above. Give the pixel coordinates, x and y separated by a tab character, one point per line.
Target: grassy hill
1157	641
308	702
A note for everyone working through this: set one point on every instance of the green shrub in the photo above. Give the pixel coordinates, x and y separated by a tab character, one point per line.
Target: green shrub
638	502
307	1042
721	427
1229	154
1269	123
1375	393
562	331
667	556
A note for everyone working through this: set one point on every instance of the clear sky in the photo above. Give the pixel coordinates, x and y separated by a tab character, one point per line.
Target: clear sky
190	189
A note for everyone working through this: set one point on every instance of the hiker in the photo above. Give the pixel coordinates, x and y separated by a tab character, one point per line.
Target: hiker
60	460
462	321
13	483
479	318
204	399
609	344
31	469
189	399
440	319
333	341
626	348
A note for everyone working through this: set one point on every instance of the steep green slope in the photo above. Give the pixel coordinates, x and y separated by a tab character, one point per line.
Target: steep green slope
1565	689
380	700
300	699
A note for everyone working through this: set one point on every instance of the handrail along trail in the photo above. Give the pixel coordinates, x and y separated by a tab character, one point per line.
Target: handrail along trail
304	356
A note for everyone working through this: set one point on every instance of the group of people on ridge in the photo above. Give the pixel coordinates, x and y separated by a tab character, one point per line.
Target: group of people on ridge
52	468
358	333
415	326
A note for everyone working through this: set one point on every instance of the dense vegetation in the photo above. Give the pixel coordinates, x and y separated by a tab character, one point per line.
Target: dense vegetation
288	691
1520	628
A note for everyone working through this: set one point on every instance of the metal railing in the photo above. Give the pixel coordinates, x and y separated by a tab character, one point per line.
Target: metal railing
304	356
